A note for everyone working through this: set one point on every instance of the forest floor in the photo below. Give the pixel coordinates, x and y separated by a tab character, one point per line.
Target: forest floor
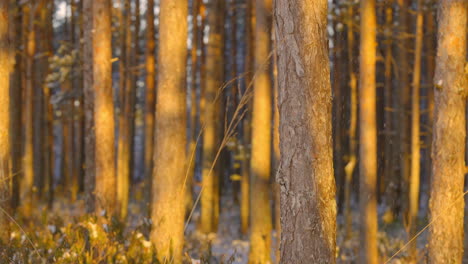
67	235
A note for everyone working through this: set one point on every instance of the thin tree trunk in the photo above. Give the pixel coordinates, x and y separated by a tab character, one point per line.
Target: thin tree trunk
368	134
308	206
412	216
88	96
6	65
213	80
170	134
449	138
260	162
103	109
352	160
246	135
16	109
28	101
150	97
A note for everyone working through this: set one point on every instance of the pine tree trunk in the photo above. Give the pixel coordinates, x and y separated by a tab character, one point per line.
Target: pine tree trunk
170	133
150	102
260	162
6	62
308	207
213	81
368	135
412	215
449	138
103	109
88	96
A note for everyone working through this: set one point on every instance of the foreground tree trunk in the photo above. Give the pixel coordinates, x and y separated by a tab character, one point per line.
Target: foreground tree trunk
448	147
368	134
6	63
170	134
260	162
213	80
308	207
105	190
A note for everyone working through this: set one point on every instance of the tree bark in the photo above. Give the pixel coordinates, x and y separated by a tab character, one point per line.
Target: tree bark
449	138
170	133
213	80
260	162
6	65
368	134
103	109
308	207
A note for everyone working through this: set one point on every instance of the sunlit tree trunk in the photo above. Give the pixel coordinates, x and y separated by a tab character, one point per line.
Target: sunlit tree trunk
308	207
88	96
260	162
412	214
27	182
103	109
449	138
276	147
368	134
246	125
170	133
213	81
353	116
6	65
150	102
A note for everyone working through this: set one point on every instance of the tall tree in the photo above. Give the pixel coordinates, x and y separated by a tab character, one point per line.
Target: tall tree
308	207
170	133
368	134
449	135
150	102
412	213
260	162
88	96
213	79
6	63
103	108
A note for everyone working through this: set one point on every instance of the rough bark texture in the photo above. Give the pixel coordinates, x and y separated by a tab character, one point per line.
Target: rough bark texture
6	63
260	162
213	81
103	109
449	138
368	135
170	133
308	207
89	140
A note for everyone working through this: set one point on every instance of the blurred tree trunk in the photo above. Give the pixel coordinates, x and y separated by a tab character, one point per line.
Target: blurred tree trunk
260	162
88	96
368	134
403	106
103	109
213	81
126	106
27	182
306	174
449	138
170	133
412	213
16	90
353	115
6	65
150	102
246	123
